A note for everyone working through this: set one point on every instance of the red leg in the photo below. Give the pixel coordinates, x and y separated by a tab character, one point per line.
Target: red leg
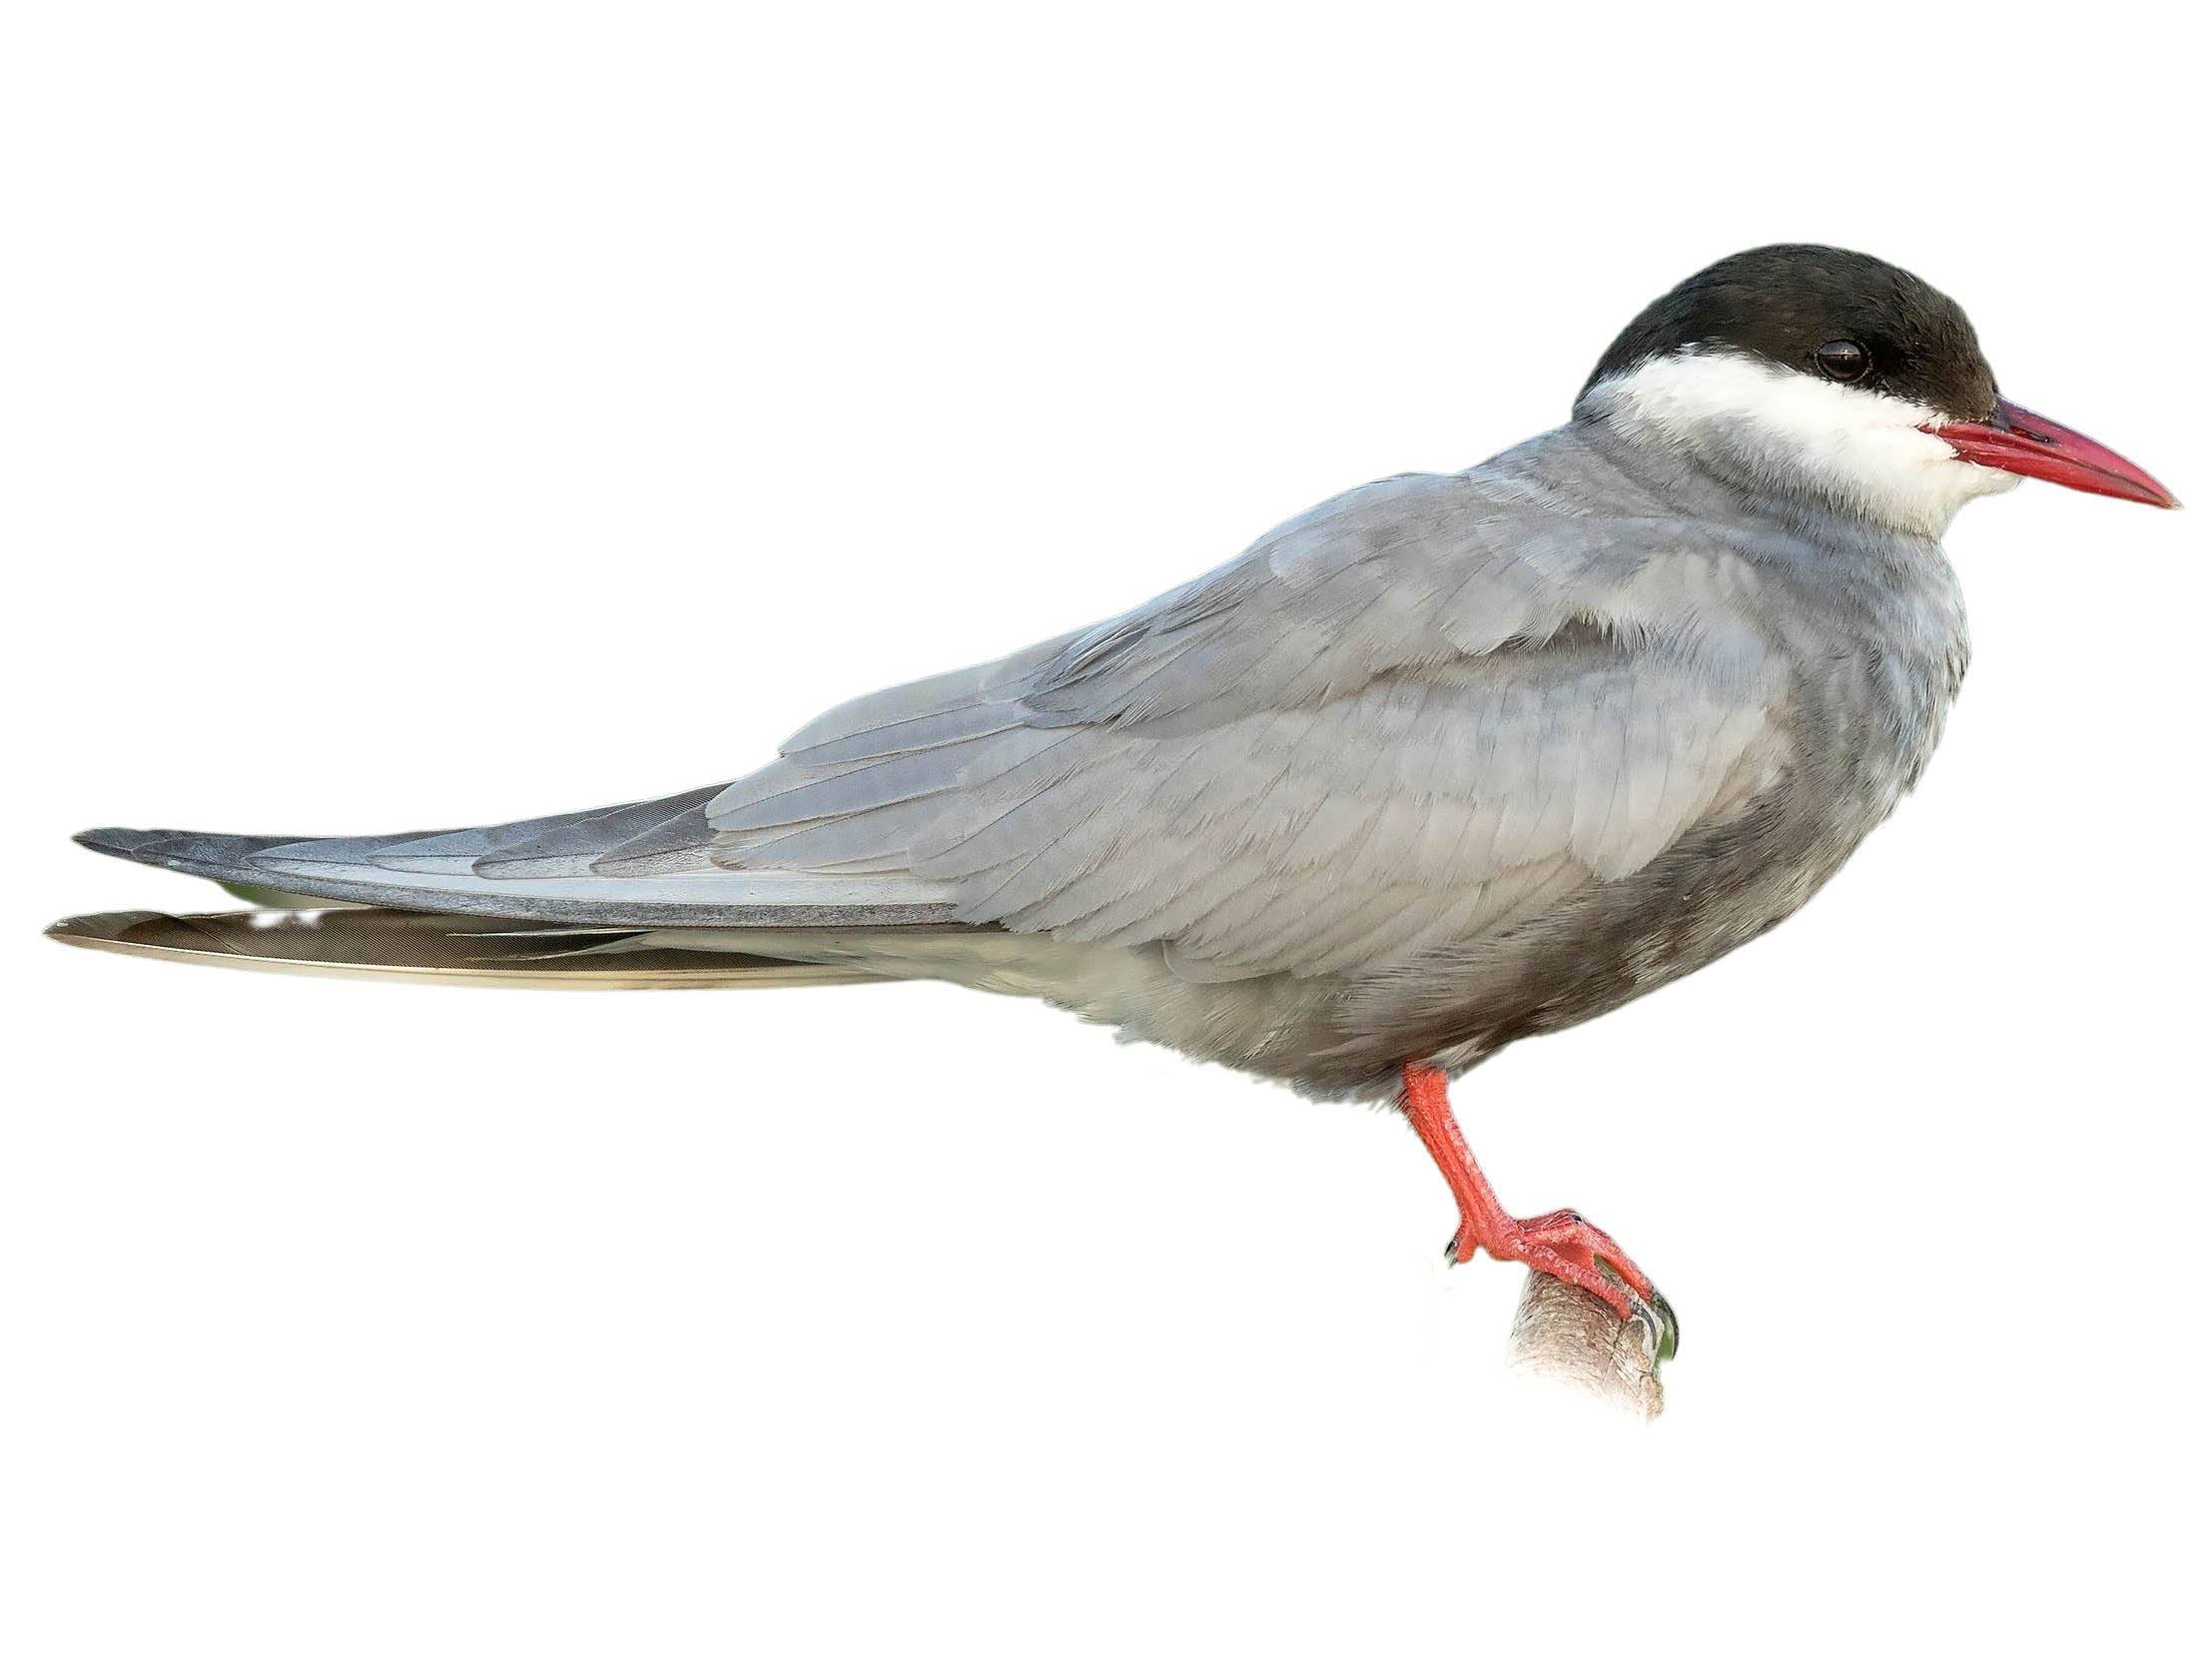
1561	1244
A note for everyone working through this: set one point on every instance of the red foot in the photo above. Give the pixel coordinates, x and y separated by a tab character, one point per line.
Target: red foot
1561	1244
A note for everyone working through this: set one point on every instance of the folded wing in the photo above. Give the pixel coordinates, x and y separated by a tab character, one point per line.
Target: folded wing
1420	711
1410	716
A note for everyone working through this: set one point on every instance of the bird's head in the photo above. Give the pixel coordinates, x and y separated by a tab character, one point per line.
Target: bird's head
1816	372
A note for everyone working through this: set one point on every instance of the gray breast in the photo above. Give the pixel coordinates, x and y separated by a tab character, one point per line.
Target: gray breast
1874	629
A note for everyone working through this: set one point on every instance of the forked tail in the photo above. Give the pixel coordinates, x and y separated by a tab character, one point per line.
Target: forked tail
370	942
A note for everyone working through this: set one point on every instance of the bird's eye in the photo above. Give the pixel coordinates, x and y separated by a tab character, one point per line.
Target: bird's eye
1844	360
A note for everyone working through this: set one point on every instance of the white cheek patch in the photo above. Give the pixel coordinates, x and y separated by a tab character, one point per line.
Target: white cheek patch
1773	427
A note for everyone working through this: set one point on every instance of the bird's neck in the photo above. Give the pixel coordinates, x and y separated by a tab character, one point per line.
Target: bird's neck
1794	444
1870	579
1704	482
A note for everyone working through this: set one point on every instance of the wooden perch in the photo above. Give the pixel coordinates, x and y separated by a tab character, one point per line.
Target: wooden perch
1564	1334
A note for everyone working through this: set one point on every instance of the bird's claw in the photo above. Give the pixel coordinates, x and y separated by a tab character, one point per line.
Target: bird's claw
1568	1248
1661	1331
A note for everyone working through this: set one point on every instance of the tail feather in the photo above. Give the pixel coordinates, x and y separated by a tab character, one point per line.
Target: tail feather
438	873
378	943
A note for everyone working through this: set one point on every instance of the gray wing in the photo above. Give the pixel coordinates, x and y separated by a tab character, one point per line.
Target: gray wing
1403	719
1418	710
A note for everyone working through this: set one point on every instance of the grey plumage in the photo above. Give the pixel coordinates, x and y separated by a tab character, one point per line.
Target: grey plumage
1443	762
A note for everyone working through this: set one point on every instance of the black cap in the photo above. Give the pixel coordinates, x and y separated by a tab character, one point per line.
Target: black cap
1799	305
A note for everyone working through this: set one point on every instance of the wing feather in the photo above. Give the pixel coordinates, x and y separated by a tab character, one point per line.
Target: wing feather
1420	711
1417	711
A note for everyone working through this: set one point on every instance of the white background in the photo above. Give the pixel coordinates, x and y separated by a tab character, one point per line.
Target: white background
419	416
